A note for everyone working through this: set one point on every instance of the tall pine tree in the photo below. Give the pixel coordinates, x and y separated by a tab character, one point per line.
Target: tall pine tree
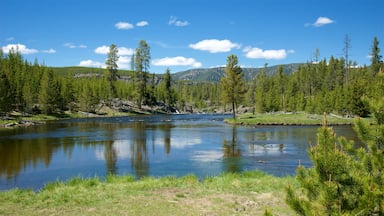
112	72
233	84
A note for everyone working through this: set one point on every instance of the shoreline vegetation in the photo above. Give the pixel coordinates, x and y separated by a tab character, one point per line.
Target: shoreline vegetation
246	193
16	119
291	119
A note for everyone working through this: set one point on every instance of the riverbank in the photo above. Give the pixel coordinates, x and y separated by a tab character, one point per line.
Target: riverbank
280	118
16	119
247	193
117	108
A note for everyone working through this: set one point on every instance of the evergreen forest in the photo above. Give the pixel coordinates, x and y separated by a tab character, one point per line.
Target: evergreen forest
324	85
344	180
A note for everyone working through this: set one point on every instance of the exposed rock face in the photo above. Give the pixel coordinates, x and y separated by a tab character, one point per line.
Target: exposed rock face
129	106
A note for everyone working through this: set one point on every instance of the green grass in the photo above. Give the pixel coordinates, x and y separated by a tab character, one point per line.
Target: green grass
247	193
289	119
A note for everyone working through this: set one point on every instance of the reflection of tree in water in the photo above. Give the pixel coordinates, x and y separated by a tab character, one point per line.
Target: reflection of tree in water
17	154
14	157
110	154
166	128
139	156
232	153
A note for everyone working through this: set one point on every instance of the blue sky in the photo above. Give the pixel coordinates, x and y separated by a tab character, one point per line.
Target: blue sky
185	34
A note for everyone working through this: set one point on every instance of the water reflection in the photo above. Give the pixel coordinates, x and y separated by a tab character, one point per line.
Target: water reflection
142	146
232	152
139	156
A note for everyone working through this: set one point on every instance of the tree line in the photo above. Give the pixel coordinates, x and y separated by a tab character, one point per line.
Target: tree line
318	86
331	86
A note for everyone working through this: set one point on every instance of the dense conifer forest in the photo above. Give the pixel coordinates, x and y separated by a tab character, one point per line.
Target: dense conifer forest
324	85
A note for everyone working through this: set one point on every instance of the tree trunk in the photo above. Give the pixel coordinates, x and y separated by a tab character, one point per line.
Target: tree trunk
233	110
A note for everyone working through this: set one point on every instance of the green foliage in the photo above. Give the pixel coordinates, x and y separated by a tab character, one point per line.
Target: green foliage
165	91
376	62
315	87
5	94
49	96
112	72
233	84
330	186
142	64
344	180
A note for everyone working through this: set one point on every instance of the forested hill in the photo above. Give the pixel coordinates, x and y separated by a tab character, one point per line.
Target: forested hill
215	74
196	75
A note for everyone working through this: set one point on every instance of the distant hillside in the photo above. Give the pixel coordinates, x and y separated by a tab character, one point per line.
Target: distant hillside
195	75
76	70
215	74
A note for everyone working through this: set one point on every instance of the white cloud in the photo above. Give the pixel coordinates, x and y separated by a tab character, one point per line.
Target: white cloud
142	23
121	50
50	51
20	48
257	53
102	50
91	63
125	51
73	46
321	21
215	46
124	62
124	25
174	21
176	61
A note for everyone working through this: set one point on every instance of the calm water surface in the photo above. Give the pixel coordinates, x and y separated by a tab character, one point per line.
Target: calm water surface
149	145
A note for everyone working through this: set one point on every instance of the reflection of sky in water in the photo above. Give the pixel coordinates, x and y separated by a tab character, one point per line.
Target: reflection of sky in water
181	144
121	147
207	156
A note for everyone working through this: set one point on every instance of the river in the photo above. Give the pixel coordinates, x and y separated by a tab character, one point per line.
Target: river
153	145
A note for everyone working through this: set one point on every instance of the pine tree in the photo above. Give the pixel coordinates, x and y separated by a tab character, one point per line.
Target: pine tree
169	93
282	86
376	62
261	89
49	97
344	180
5	94
233	84
142	64
112	72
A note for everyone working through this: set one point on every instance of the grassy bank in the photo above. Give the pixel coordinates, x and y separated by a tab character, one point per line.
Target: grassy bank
289	119
248	193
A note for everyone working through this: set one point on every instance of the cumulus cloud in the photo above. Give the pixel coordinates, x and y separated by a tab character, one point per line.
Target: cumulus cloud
257	53
91	63
176	22
142	23
73	46
124	25
215	46
321	21
102	50
20	48
121	50
124	62
125	51
176	61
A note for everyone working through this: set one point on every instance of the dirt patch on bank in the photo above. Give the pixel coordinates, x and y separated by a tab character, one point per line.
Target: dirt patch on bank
224	203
